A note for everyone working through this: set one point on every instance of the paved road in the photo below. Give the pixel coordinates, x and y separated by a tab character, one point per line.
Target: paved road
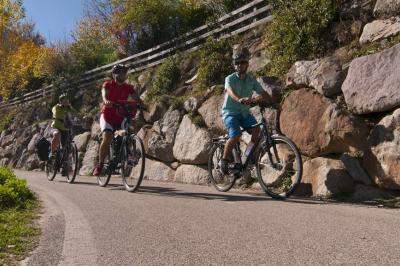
174	224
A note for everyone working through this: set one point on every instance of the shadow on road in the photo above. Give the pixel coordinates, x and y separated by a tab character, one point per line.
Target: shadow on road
172	192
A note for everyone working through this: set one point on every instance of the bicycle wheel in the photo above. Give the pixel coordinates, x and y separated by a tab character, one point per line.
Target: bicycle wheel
52	166
71	163
220	181
108	168
133	165
280	174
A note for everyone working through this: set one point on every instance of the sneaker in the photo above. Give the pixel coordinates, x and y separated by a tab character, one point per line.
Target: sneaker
98	169
223	165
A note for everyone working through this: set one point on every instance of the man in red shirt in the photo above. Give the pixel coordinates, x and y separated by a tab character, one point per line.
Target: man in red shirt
113	91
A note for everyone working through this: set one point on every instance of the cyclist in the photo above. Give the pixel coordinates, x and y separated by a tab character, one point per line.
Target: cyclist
59	130
239	88
113	91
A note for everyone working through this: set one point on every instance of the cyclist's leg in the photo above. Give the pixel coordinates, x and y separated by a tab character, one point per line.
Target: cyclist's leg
247	122
55	141
107	130
232	124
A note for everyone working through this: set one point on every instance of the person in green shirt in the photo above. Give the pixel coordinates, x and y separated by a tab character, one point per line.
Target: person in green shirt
239	88
59	130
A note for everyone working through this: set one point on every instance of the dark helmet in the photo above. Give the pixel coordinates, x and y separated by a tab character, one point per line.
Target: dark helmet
241	55
119	68
62	97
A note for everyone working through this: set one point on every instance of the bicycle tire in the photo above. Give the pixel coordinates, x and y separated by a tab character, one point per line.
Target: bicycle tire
220	181
279	178
128	168
51	167
104	178
73	152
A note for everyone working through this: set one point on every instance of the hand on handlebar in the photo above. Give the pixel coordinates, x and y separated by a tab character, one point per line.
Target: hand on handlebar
108	103
246	100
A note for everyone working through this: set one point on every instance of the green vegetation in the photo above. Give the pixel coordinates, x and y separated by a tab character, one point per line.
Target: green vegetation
17	210
6	120
215	63
299	31
197	119
165	80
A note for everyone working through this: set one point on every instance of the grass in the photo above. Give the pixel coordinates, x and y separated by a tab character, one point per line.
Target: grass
17	233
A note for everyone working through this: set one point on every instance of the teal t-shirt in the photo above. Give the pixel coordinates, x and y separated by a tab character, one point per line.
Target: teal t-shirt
243	88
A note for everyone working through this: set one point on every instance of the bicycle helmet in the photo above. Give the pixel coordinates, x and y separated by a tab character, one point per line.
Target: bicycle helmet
241	55
119	68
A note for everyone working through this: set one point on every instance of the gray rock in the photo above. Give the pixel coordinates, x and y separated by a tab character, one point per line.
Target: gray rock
158	171
383	160
192	143
380	29
82	140
320	127
155	112
191	174
4	162
211	113
324	75
355	169
269	85
32	143
96	131
325	178
259	58
372	83
90	159
387	8
193	103
367	193
31	163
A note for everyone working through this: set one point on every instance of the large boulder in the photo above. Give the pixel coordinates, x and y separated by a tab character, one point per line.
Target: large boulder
161	143
259	58
323	177
380	29
354	168
372	83
191	174
383	161
82	140
387	8
211	113
325	75
271	87
319	127
192	143
96	131
158	171
145	135
32	143
155	112
31	163
90	158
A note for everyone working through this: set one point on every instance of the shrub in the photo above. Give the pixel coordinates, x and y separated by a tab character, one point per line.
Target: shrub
215	63
14	192
165	81
299	31
197	119
6	120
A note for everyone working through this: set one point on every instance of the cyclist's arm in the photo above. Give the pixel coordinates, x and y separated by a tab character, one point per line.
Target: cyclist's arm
233	94
104	95
262	96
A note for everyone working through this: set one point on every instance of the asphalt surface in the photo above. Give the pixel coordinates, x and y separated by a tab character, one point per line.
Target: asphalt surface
175	224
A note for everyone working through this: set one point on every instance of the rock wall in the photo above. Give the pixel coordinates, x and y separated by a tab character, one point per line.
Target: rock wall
344	117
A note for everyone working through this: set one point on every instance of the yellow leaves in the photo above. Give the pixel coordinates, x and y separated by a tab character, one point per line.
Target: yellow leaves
10	13
27	62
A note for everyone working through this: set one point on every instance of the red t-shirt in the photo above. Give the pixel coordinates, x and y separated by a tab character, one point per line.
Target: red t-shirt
115	93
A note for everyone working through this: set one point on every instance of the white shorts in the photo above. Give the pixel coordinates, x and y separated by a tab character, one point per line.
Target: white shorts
104	125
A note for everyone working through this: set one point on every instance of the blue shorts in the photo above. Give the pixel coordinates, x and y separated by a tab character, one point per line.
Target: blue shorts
234	122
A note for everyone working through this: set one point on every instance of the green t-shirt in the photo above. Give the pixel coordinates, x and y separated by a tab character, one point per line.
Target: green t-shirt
60	114
243	88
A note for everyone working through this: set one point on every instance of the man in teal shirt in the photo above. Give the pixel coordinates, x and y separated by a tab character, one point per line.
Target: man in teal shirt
239	88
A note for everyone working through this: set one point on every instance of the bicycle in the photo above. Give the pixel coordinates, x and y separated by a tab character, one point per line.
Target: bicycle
126	157
66	158
277	162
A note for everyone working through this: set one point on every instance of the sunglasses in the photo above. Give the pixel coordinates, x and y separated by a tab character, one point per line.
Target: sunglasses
240	63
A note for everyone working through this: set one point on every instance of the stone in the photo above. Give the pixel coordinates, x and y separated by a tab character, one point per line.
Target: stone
155	112
4	161
383	160
161	143
31	163
158	171
192	144
211	113
82	140
145	134
380	29
22	160
387	8
193	103
96	131
325	177
364	193
357	9
320	127
354	168
372	82
32	143
191	174
90	159
259	58
273	90
324	75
